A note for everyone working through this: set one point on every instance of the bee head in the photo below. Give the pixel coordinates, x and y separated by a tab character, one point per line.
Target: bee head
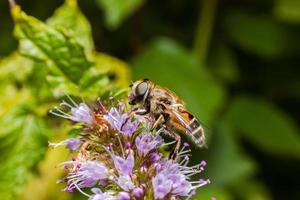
139	91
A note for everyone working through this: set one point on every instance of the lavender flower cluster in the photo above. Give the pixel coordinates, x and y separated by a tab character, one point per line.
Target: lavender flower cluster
118	157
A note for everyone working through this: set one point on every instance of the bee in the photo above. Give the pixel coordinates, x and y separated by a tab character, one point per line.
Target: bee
168	110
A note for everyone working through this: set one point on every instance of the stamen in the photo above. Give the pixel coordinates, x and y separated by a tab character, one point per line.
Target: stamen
101	105
63	103
184	152
169	143
121	145
201	183
64	115
73	102
78	188
54	145
185	161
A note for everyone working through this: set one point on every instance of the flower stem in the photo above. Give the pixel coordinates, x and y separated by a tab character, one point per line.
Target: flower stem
204	29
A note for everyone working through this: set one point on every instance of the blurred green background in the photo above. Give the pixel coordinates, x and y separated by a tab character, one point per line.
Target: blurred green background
235	63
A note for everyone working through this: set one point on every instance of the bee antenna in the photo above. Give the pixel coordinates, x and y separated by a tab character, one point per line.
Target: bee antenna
145	79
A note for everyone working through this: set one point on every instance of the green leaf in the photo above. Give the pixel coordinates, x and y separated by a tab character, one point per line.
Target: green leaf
54	47
15	68
265	126
22	144
116	11
117	70
93	82
260	34
287	10
69	18
170	65
227	164
11	96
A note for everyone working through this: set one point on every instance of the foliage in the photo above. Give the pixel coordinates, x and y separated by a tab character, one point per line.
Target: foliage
117	11
54	58
244	88
24	143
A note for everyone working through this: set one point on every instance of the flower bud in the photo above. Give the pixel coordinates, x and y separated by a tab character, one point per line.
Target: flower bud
138	192
123	196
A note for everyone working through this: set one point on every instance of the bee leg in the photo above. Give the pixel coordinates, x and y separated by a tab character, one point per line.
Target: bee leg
159	120
177	147
176	137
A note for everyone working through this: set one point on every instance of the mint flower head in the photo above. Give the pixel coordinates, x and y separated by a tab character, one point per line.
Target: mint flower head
118	156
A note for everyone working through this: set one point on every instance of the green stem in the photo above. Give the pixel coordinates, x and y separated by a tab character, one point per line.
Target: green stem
204	28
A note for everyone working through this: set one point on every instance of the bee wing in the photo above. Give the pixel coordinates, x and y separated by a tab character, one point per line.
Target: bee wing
192	126
182	120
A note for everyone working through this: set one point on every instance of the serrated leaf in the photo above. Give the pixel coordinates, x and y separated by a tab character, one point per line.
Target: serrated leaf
53	46
170	65
117	11
287	10
265	126
70	18
260	34
22	144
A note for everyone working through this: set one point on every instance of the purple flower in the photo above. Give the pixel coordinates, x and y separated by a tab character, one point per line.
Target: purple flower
71	143
161	186
173	178
154	157
125	160
128	127
180	186
138	192
125	183
79	113
120	121
123	196
99	195
88	174
147	142
124	165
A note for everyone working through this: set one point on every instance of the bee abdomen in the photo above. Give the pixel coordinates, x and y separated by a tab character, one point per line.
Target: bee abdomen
197	132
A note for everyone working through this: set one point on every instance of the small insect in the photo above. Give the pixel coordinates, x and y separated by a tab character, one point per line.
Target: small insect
168	110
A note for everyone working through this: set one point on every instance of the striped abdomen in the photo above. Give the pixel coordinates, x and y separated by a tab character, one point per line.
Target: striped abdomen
186	122
196	131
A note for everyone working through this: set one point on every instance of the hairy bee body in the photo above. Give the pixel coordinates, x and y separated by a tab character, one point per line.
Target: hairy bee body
166	106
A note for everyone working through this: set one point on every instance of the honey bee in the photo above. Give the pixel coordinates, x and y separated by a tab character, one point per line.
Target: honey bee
168	110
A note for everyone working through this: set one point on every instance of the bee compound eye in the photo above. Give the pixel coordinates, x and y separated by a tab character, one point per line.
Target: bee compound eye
142	88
